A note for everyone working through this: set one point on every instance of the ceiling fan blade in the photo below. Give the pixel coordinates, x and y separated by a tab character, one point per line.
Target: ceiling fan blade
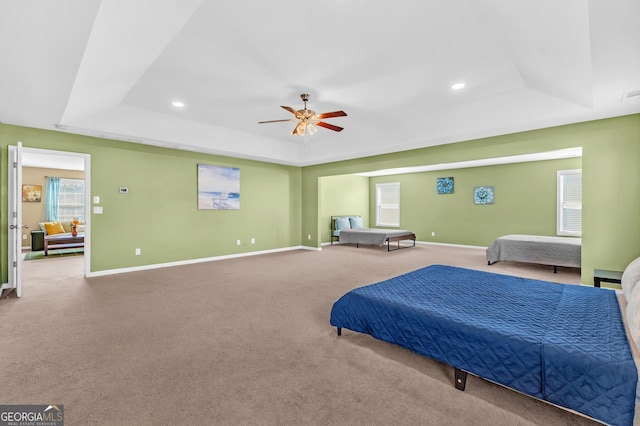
276	121
291	110
300	129
332	114
329	126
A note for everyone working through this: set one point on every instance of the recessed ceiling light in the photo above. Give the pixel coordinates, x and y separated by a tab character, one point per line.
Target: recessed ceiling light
457	86
177	104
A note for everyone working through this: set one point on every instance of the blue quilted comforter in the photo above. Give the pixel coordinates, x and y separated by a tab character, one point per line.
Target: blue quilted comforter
562	343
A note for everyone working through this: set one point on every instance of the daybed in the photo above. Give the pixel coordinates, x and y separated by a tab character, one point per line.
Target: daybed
350	229
565	344
555	251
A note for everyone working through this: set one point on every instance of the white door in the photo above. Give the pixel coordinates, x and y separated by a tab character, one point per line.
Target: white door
15	219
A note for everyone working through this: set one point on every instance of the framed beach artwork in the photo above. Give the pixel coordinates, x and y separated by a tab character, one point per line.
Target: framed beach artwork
31	193
218	187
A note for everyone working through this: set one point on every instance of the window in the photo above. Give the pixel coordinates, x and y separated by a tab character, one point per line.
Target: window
569	203
388	204
71	199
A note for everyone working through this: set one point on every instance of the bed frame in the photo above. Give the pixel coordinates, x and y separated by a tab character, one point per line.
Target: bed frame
459	376
543	250
391	235
409	236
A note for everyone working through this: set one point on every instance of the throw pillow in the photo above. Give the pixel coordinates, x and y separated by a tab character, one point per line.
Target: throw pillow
630	277
633	315
54	228
342	223
356	222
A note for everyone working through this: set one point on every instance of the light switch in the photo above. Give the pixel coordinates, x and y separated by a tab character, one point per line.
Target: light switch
96	199
97	210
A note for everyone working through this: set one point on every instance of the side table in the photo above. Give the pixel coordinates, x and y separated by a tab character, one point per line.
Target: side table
603	275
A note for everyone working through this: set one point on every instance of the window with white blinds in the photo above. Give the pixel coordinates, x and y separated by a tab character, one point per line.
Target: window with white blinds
71	199
569	212
388	204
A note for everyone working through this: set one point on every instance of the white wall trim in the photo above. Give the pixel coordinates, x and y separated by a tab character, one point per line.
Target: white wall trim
451	245
426	243
192	261
234	256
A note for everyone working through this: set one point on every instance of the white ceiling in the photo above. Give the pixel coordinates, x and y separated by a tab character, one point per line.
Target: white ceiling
112	68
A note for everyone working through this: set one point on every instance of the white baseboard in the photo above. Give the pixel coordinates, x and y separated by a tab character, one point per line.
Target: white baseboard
192	261
233	256
426	243
451	245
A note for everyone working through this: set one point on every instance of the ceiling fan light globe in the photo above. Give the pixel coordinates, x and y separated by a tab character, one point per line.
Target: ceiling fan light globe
300	129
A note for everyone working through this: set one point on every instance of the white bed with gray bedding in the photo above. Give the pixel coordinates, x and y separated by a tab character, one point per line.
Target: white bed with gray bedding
374	236
555	251
350	229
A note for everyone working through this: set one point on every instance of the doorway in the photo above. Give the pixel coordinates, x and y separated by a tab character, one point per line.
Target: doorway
36	166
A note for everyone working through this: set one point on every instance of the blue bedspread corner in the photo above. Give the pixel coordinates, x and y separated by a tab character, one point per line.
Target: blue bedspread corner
587	361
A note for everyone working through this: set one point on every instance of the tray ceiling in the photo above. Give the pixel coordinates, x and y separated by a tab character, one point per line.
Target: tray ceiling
113	69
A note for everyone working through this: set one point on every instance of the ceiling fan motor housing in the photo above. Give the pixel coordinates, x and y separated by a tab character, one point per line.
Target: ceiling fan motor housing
306	113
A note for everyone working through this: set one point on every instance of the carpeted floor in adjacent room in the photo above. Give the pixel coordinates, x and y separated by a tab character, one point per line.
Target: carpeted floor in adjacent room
242	341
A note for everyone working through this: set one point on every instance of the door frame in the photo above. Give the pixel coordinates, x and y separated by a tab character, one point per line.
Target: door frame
14	222
13	186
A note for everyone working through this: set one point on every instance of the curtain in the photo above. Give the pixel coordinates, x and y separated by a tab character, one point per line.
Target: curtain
51	194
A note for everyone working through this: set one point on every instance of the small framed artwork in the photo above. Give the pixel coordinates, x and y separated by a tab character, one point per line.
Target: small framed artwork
444	185
483	194
31	193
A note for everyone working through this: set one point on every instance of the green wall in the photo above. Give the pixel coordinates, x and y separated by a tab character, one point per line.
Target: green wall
525	202
159	214
342	195
611	176
281	205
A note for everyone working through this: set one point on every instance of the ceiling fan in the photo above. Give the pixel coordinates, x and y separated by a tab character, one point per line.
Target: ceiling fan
308	119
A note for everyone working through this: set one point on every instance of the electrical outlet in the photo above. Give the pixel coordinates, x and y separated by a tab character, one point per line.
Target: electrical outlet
24	237
138	252
433	234
253	241
237	242
309	237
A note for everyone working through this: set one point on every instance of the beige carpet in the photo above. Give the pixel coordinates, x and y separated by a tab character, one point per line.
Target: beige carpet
239	342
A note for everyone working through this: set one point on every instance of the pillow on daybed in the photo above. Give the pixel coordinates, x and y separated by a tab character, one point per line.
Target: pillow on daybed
342	223
630	277
356	222
52	228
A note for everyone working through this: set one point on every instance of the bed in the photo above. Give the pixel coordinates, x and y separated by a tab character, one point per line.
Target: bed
565	344
350	229
555	251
